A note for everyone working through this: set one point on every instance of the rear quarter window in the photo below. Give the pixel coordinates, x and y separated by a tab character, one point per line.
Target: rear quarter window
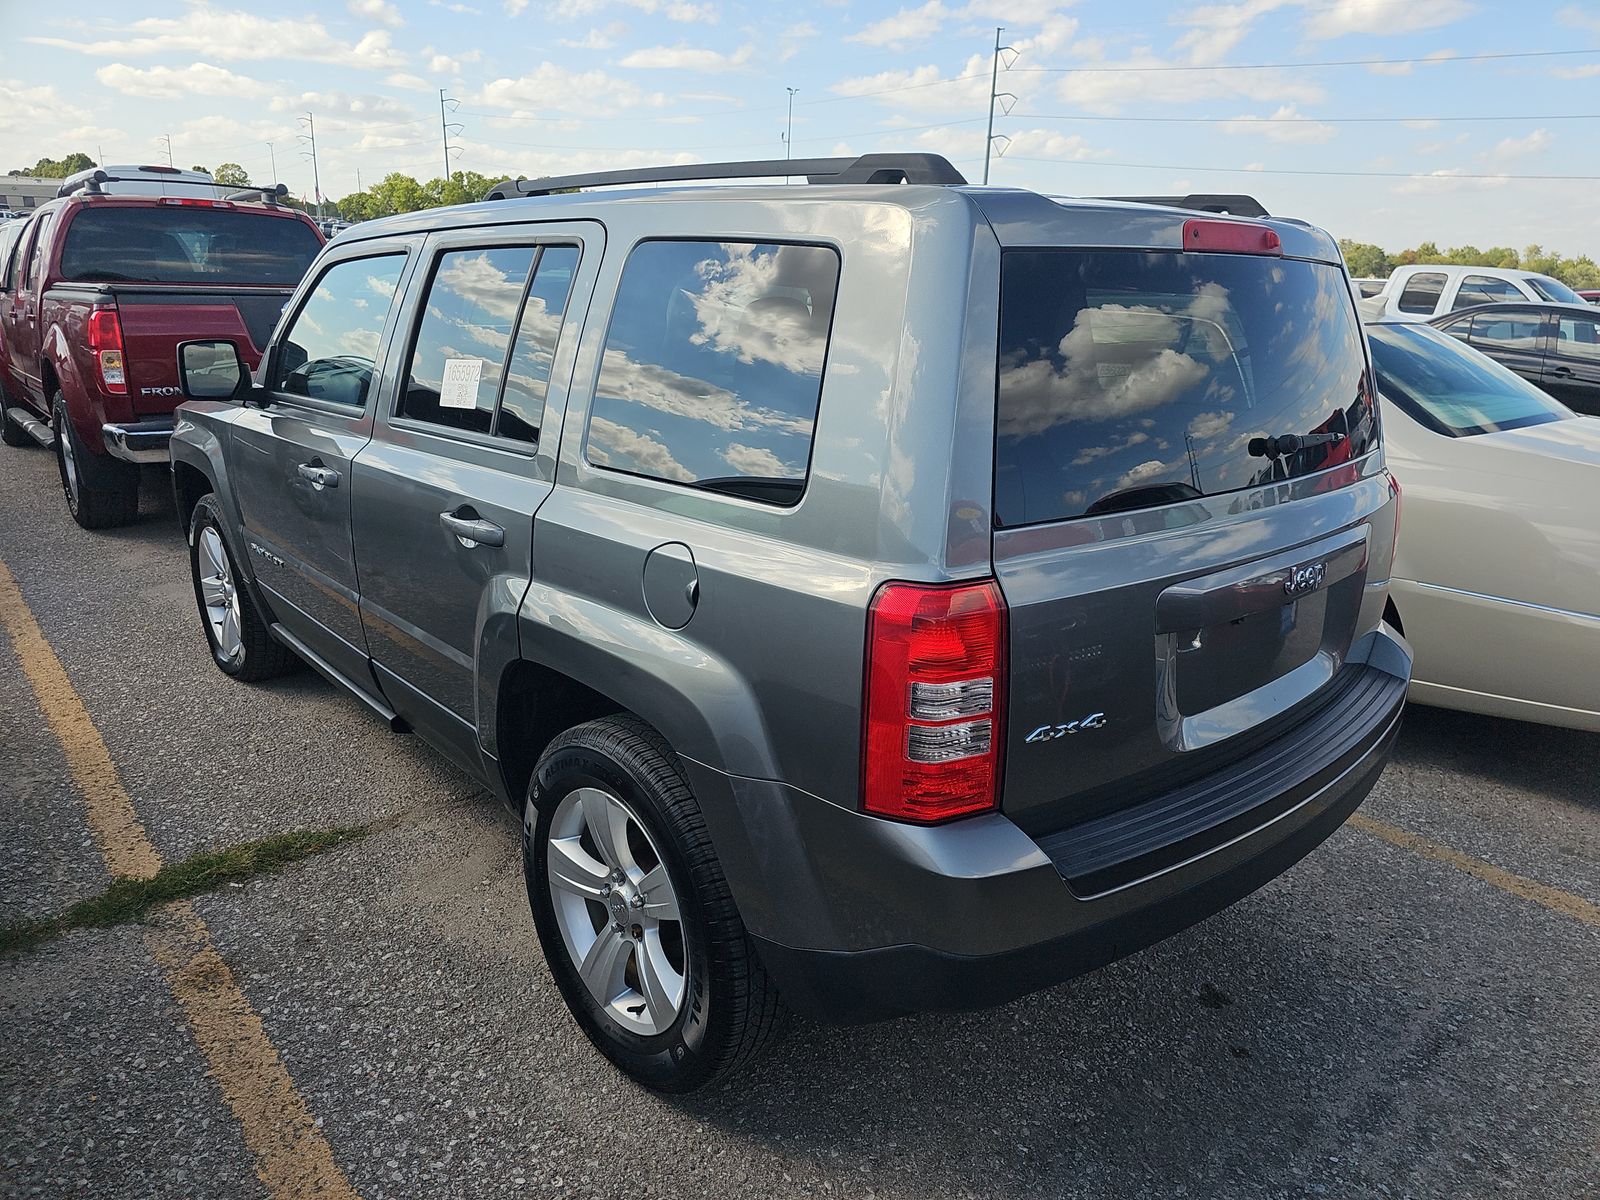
713	363
1130	380
1422	293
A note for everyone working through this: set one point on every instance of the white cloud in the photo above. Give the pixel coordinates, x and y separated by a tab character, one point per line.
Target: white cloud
755	460
177	83
597	38
687	58
1108	91
411	83
904	28
238	36
681	11
514	7
1287	124
1580	18
1215	29
345	111
1451	180
1383	17
24	108
380	11
549	87
1514	148
1588	72
611	444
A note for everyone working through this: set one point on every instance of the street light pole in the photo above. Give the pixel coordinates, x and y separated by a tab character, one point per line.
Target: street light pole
788	136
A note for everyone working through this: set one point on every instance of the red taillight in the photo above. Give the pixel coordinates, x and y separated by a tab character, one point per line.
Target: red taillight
1230	237
105	339
193	202
935	691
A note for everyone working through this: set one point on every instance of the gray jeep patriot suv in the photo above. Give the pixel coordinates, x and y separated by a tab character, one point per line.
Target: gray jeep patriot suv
884	594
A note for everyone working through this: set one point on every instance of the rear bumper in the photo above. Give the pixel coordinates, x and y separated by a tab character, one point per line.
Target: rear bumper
139	441
860	919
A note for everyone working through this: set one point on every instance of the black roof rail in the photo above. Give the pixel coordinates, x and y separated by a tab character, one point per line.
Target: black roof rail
1233	204
268	195
89	183
868	168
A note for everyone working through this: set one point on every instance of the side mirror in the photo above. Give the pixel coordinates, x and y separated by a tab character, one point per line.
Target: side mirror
212	370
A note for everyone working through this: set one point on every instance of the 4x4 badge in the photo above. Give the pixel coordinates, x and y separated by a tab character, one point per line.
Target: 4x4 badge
1049	733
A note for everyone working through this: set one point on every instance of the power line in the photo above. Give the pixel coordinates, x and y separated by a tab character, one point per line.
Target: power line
1100	162
1305	120
1340	62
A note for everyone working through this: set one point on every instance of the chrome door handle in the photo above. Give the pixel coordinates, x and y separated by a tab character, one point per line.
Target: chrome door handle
1562	372
473	531
319	476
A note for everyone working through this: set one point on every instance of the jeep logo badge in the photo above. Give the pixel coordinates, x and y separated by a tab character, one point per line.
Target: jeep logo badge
1305	579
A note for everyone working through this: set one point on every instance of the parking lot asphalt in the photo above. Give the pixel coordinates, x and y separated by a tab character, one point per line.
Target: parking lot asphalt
1393	1017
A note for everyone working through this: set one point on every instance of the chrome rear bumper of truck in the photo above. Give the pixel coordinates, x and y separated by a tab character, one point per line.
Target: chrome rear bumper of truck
139	441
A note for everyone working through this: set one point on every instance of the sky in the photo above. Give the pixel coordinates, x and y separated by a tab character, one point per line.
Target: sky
1427	143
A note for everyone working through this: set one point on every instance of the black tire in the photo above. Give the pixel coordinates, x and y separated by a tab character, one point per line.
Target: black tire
102	492
261	656
11	433
730	1011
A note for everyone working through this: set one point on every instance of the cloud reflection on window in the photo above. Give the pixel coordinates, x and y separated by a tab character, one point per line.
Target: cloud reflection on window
1132	379
713	364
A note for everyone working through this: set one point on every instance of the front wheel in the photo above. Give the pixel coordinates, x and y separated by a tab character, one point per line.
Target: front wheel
241	645
634	914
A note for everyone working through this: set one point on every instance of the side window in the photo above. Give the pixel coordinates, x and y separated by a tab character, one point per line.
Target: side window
330	349
1460	330
1579	337
1481	289
469	314
1506	331
713	362
528	374
1422	293
36	255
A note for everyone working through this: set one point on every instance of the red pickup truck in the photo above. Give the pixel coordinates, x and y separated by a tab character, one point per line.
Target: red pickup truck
95	295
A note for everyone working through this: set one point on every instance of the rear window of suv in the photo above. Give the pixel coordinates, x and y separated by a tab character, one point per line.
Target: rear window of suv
173	243
1132	379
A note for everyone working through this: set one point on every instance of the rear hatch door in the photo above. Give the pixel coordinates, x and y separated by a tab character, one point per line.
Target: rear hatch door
1185	484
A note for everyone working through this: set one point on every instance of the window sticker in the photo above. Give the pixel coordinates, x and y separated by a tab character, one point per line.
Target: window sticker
461	376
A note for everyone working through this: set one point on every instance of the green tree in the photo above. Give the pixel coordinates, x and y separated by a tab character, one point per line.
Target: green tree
231	174
202	170
1365	260
58	168
397	193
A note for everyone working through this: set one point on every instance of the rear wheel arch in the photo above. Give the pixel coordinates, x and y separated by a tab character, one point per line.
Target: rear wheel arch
535	704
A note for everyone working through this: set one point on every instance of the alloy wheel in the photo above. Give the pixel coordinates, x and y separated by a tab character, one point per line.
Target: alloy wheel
617	911
220	594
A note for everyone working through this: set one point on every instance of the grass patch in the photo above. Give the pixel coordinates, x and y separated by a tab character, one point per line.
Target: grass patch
130	899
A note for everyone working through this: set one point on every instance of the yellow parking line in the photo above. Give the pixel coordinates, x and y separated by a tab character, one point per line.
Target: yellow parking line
1521	886
292	1158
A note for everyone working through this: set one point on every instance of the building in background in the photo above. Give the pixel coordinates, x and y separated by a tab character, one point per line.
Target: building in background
22	193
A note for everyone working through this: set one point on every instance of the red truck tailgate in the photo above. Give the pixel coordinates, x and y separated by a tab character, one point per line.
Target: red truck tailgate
156	318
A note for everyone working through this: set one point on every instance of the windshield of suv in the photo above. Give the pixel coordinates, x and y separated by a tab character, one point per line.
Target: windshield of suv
1451	388
186	244
1132	379
1553	290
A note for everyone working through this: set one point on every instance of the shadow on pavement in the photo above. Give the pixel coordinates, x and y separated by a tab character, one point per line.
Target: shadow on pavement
1560	763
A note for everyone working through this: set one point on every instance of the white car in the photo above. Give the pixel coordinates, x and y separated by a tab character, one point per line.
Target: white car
1499	553
1428	291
